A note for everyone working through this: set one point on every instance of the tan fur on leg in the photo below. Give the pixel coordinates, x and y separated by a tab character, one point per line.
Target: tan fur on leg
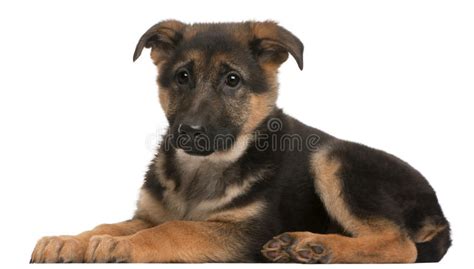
174	241
67	249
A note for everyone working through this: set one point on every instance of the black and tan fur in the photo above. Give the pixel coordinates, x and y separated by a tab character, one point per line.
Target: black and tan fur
235	201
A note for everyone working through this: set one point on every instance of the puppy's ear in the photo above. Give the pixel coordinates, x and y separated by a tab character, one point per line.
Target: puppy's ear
162	38
271	43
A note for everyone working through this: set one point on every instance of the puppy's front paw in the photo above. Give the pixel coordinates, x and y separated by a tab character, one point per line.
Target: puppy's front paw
108	249
58	249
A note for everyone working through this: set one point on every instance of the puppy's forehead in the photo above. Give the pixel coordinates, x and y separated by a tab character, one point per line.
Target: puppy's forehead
237	32
211	45
211	39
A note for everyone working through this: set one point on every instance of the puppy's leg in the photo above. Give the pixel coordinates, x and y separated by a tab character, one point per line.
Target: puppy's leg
306	247
53	249
173	241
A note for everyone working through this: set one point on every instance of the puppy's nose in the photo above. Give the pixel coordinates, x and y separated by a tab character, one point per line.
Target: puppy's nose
191	130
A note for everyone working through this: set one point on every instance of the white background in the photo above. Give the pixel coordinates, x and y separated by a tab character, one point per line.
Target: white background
79	120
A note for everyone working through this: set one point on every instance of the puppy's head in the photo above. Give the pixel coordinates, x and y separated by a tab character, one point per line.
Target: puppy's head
217	82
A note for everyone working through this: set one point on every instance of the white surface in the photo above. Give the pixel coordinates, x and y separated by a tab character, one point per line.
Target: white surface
78	118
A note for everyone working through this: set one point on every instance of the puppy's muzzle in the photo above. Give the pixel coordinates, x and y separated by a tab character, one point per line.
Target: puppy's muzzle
194	139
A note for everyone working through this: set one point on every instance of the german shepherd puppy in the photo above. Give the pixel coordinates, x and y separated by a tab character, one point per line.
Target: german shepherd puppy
237	180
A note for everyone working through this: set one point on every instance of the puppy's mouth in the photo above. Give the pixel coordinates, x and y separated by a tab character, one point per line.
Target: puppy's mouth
196	149
198	153
203	144
194	145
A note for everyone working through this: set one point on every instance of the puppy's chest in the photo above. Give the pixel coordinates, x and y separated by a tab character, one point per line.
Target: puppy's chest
202	187
195	188
199	189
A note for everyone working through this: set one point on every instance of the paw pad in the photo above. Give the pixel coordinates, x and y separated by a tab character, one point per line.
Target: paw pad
286	248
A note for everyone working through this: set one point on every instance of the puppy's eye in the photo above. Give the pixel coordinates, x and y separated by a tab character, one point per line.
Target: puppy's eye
183	77
232	80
